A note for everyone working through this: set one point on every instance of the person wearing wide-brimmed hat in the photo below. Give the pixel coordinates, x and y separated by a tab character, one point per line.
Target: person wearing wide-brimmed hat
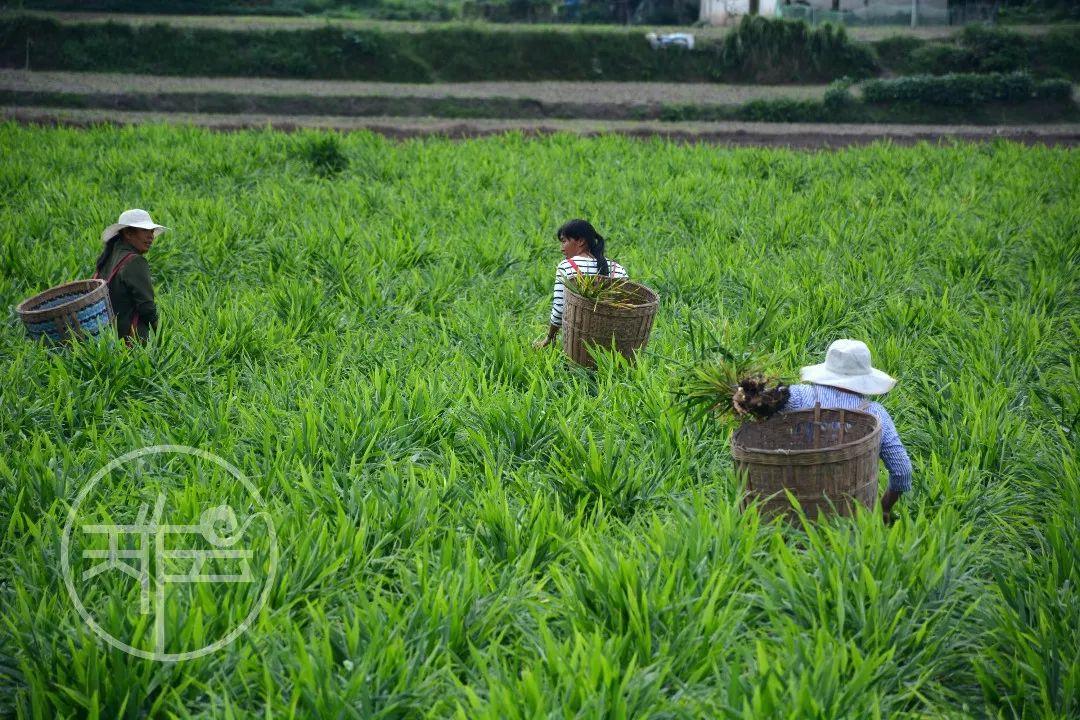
122	264
842	382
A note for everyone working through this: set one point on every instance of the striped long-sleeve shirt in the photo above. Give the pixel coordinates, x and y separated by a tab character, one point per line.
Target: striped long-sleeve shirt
587	266
893	454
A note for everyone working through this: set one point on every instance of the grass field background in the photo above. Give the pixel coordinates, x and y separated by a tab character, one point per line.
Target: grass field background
470	528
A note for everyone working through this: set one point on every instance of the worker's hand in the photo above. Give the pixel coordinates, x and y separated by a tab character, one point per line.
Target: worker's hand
887	501
542	342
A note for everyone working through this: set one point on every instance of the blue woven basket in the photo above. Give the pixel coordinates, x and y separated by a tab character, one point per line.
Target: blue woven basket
72	310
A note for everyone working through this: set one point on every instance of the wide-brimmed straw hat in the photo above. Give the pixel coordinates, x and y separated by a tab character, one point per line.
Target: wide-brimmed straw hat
132	218
847	366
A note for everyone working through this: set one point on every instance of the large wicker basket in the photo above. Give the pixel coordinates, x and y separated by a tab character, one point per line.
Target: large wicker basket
828	459
589	323
72	310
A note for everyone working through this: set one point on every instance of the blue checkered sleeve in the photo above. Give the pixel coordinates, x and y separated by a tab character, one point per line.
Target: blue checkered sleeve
893	454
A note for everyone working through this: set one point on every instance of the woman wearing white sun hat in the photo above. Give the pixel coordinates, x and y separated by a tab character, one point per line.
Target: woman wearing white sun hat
122	264
843	381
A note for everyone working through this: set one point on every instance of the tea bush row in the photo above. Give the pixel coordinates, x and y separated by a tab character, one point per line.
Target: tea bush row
981	49
918	99
965	89
759	50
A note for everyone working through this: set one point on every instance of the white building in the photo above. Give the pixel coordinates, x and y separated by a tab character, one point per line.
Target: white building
725	12
934	12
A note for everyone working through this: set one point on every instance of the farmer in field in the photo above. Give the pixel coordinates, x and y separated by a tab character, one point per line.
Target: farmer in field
122	264
842	382
583	250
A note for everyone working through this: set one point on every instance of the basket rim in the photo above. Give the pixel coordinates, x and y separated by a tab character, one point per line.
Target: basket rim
811	451
23	311
655	301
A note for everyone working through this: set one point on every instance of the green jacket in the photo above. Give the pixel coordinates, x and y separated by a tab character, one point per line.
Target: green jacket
131	292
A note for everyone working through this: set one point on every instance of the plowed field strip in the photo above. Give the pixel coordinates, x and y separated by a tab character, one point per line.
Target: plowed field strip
738	133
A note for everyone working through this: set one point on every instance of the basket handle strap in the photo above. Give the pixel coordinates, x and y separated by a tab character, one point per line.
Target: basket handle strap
578	270
863	405
119	266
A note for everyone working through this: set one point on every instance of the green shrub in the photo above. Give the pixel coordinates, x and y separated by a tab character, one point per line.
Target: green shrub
941	58
894	52
838	97
667	12
985	49
650	12
193	7
958	90
325	154
1058	53
208	7
677	112
508	10
1057	90
1038	11
419	10
778	51
781	110
996	50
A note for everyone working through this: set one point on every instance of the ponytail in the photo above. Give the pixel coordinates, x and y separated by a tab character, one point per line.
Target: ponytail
106	253
596	247
583	230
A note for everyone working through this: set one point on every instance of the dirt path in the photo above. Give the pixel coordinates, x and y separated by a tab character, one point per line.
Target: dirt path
729	133
250	22
635	93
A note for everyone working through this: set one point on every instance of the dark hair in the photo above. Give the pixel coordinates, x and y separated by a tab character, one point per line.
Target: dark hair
582	230
105	253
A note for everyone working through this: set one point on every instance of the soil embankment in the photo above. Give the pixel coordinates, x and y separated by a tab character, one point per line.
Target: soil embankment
802	135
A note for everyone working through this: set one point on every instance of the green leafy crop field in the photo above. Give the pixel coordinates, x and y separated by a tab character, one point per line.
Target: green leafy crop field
470	528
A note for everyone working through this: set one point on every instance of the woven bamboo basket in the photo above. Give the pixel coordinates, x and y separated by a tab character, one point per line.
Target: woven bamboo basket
828	459
72	310
587	322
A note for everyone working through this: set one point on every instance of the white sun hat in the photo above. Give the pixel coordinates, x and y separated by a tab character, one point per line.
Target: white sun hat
847	366
133	218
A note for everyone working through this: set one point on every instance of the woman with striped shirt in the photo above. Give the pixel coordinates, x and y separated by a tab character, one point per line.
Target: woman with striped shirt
583	250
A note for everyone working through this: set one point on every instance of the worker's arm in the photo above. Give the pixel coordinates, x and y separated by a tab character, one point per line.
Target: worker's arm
136	279
558	305
896	462
894	456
